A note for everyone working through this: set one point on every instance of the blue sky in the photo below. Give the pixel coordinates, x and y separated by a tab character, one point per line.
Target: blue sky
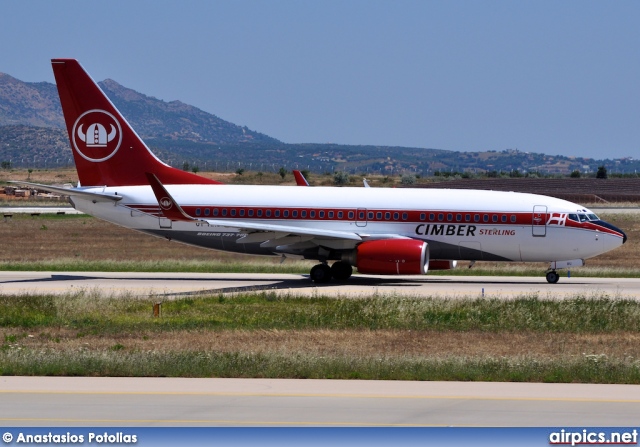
558	77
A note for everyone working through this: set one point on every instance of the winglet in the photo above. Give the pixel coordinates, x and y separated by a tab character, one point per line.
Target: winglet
168	205
300	180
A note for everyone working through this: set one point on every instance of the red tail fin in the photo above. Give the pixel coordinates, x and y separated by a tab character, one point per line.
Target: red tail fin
107	151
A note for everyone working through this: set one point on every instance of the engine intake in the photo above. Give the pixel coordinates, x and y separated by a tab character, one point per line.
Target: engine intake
391	257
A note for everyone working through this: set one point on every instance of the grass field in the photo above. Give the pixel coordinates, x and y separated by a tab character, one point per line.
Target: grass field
584	339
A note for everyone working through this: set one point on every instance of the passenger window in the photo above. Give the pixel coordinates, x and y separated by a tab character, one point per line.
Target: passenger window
458	217
242	213
268	213
387	215
504	218
215	211
423	216
432	217
379	215
513	218
207	211
312	214
321	214
371	215
467	217
405	216
224	212
250	213
197	211
340	214
396	216
233	212
285	213
330	214
259	213
303	214
494	218
485	218
294	214
440	217
449	217
351	214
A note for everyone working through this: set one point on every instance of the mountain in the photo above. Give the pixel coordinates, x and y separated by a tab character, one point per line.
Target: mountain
32	134
176	120
27	103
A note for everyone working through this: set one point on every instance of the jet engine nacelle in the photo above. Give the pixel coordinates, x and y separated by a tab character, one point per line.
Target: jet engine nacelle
391	257
438	264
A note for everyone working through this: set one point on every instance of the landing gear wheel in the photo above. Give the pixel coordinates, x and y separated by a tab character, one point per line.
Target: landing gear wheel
552	277
320	273
341	271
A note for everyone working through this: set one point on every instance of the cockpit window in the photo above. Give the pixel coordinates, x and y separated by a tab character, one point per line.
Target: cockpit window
583	217
593	217
573	217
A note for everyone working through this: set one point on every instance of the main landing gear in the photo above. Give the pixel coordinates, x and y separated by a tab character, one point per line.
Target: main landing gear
322	273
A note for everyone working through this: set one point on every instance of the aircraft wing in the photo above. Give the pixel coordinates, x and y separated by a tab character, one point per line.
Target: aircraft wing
172	210
73	192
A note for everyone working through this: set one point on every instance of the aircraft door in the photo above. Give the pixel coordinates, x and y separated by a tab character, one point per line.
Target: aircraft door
164	223
539	223
361	217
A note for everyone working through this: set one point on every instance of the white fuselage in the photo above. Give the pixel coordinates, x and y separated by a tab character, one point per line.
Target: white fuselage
457	224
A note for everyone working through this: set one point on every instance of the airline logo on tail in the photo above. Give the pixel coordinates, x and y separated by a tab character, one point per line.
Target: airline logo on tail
165	203
97	135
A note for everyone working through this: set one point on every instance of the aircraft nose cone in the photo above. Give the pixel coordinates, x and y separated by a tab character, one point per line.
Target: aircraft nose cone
614	228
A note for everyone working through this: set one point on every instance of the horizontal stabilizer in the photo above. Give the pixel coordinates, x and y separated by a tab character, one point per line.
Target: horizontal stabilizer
72	192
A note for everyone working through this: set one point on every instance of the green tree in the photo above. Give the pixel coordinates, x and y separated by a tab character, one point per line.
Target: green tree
185	166
341	178
282	172
408	179
602	172
195	169
575	174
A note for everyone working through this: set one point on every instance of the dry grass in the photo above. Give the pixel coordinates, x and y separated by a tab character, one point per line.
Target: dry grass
356	343
29	239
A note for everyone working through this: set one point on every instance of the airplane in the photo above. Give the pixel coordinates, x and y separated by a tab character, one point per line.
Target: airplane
379	231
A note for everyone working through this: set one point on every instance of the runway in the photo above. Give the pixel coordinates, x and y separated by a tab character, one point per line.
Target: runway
169	285
80	401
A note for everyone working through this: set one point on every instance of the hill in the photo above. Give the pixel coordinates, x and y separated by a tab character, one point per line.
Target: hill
32	135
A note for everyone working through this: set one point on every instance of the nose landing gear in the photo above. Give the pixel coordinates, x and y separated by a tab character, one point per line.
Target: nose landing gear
552	277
